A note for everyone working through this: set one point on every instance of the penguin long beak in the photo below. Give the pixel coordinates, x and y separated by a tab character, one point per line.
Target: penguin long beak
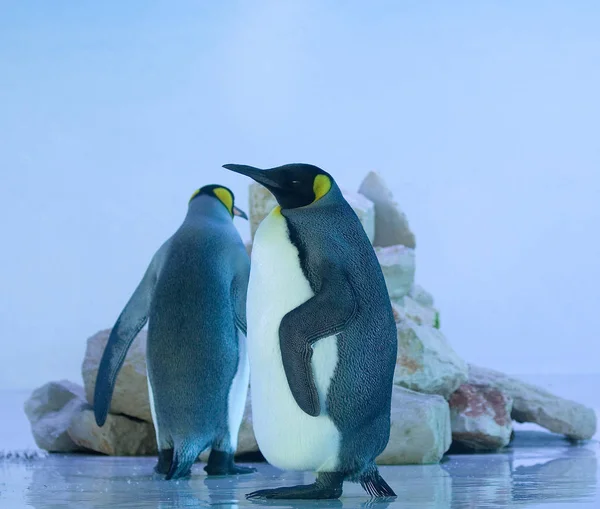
240	213
261	176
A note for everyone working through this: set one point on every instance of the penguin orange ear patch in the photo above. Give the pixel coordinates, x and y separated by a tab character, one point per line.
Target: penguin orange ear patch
321	186
225	196
196	193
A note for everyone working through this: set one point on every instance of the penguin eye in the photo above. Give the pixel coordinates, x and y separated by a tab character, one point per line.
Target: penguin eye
295	182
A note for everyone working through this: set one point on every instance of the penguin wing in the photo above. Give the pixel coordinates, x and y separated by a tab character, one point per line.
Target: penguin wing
131	320
239	290
326	314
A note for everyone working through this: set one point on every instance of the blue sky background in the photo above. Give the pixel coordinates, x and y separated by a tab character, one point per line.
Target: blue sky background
483	116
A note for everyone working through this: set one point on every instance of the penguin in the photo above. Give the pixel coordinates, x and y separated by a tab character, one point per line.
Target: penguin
321	338
193	296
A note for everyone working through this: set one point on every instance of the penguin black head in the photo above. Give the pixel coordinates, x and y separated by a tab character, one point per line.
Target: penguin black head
293	185
224	195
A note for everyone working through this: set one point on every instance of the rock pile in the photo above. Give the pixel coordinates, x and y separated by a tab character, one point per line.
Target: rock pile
438	399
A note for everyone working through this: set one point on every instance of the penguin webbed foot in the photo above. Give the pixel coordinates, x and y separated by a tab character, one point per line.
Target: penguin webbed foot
165	458
328	486
221	463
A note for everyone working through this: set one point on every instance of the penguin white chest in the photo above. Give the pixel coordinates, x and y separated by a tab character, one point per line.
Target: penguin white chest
288	437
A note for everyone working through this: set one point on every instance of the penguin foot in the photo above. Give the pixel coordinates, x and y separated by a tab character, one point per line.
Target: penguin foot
221	463
328	486
165	458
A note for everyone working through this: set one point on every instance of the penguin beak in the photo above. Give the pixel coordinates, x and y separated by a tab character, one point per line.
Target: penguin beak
240	213
261	176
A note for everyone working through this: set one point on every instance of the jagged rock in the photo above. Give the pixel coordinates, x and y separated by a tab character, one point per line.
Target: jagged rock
534	404
120	435
426	361
365	210
50	409
391	225
398	267
262	202
480	417
409	309
420	431
421	296
130	396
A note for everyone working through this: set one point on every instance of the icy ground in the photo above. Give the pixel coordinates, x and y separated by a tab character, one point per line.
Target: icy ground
540	470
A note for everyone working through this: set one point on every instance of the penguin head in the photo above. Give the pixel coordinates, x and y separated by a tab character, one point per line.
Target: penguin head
293	185
224	195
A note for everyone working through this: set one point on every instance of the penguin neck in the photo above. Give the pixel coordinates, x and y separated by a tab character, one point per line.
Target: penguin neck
203	206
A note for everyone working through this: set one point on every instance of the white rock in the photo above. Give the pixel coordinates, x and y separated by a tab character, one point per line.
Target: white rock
420	431
365	210
480	417
50	409
426	361
409	309
262	202
130	396
398	267
534	404
120	435
391	225
422	296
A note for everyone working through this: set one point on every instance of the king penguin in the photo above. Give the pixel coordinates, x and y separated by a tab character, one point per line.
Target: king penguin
193	296
321	337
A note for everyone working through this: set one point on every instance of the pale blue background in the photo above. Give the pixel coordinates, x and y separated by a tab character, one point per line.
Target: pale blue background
483	116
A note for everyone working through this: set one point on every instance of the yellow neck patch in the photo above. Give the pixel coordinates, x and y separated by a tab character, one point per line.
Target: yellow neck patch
321	186
196	193
225	196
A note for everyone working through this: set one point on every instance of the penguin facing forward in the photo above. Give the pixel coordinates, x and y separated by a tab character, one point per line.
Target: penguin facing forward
321	337
193	296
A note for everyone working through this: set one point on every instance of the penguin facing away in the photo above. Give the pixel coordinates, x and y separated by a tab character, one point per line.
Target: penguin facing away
321	337
193	296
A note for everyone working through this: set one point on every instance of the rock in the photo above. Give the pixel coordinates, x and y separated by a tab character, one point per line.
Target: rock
50	409
120	435
421	296
480	417
398	266
248	248
262	202
365	210
420	431
409	309
130	396
391	225
426	361
534	404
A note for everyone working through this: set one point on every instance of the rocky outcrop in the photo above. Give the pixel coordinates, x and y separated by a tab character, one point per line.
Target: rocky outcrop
120	435
426	362
50	410
481	417
364	209
130	396
398	267
421	296
420	432
534	404
391	225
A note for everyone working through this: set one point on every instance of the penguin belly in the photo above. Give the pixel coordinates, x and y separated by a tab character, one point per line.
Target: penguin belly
289	438
238	392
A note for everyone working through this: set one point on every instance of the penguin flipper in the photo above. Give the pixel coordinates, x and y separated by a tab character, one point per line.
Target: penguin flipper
239	291
326	314
130	322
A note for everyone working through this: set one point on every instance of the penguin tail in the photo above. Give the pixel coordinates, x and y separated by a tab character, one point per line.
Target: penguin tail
186	454
374	484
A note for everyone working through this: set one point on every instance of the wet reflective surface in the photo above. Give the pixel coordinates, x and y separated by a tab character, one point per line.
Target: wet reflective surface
540	470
